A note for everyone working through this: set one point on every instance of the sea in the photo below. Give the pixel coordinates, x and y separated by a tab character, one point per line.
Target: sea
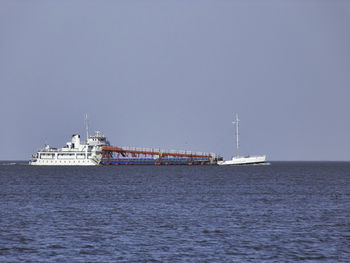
282	212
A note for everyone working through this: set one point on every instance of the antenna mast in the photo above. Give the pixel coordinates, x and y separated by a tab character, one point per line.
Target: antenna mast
237	141
86	127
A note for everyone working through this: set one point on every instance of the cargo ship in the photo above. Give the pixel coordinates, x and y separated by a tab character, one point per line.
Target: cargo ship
96	150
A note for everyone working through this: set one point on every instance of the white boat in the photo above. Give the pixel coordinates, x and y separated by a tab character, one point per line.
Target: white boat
244	160
240	160
74	153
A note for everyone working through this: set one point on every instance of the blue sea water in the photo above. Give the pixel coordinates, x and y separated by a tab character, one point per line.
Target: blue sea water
285	212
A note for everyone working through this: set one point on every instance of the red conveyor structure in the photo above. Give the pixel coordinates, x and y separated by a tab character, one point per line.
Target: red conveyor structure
112	155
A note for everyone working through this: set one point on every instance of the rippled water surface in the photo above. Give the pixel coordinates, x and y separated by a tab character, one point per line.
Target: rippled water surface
285	212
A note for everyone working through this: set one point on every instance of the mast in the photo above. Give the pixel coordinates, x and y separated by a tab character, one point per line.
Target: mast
86	127
237	141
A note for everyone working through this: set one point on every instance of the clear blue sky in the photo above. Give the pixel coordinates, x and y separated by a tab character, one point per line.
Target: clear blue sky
171	74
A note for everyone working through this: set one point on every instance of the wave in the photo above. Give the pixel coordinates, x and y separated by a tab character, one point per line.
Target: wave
14	163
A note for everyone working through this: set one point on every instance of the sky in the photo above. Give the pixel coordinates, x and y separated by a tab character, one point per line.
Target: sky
171	74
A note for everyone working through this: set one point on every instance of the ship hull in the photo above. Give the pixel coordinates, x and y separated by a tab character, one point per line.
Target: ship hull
152	161
86	162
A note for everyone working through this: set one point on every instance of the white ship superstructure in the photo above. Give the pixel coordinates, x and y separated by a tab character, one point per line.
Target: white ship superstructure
74	153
